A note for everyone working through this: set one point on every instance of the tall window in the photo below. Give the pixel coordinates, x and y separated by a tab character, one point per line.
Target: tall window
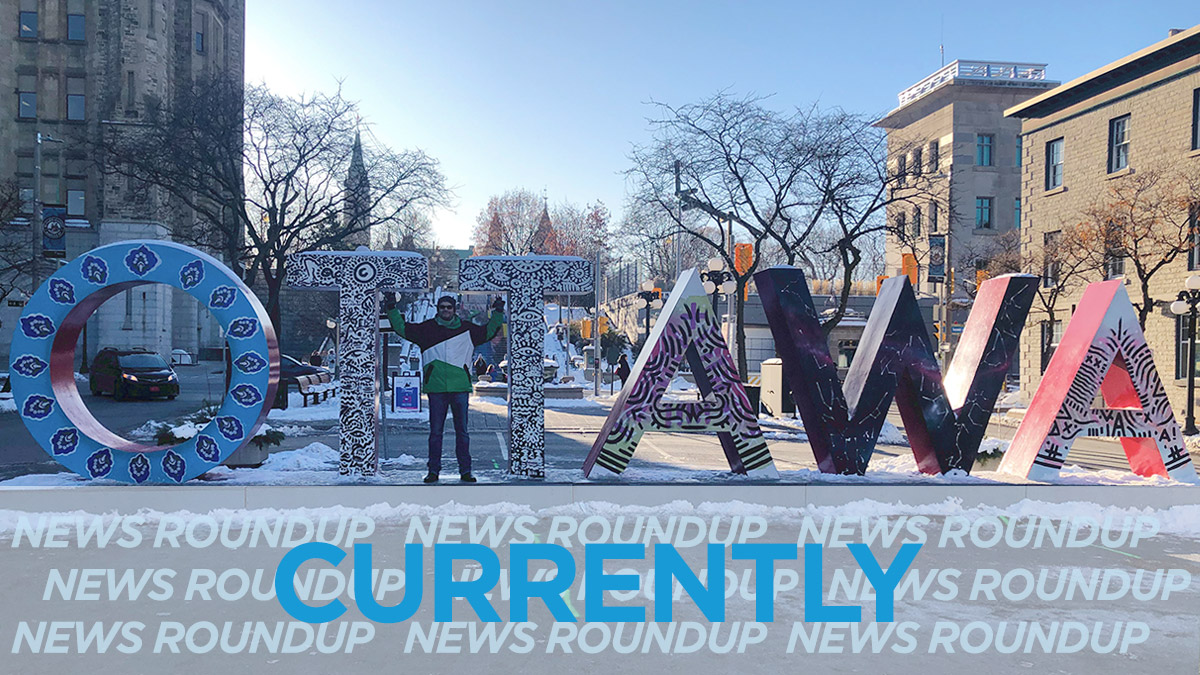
27	96
1020	149
1050	264
1114	263
1118	143
933	217
983	149
201	23
902	224
933	156
76	99
28	21
901	168
1196	119
916	223
25	195
75	28
918	162
1194	228
130	94
983	213
1052	332
1054	164
1181	348
76	203
1017	213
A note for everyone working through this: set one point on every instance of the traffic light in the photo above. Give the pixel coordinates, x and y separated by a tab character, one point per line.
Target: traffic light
603	321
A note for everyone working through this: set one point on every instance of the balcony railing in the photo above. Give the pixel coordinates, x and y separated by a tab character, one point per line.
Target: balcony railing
987	72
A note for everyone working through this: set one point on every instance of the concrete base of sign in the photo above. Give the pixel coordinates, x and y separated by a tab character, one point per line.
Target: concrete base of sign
200	498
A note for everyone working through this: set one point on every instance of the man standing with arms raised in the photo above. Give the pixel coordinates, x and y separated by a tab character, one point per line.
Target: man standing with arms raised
447	344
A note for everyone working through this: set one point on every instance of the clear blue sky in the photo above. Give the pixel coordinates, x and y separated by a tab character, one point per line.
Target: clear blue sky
551	95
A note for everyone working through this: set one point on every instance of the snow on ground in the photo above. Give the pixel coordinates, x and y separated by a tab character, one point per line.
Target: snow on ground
328	410
7	404
317	464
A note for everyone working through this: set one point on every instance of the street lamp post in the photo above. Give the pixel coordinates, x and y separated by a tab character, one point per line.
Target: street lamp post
1186	304
718	280
652	301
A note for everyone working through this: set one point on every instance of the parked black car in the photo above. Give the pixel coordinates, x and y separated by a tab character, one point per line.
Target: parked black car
290	369
126	373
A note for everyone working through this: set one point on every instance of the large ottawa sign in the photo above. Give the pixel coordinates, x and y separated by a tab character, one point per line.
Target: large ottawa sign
1102	352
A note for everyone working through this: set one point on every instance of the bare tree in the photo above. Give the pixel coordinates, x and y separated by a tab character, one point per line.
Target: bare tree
508	225
1062	258
803	187
15	249
645	235
265	175
1141	224
410	231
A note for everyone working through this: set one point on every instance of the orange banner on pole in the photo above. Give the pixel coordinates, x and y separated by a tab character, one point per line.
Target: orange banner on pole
908	267
743	260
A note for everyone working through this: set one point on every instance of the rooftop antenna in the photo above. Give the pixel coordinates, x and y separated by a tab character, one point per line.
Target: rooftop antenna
942	41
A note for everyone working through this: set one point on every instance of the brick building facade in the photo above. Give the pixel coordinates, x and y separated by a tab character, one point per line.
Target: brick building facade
1138	114
75	69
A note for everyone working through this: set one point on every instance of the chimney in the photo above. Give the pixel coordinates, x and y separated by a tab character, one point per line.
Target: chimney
1174	31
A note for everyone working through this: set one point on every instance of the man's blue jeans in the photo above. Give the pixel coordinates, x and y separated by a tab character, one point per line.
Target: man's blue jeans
457	404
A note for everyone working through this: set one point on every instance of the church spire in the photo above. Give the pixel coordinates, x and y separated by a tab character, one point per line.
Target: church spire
357	209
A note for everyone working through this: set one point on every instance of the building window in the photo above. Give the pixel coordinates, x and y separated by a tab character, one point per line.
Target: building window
983	213
1114	264
1017	213
75	27
1050	264
27	96
933	217
1196	119
1118	144
26	197
76	99
75	203
28	23
933	156
1194	228
916	224
1052	332
1182	343
902	224
901	168
1054	164
1020	151
918	162
201	27
983	149
130	94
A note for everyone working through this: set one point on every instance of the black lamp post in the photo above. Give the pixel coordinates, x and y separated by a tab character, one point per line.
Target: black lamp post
1186	304
718	280
652	301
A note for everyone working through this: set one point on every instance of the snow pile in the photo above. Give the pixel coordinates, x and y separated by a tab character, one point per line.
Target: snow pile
890	435
7	404
312	457
148	431
328	409
189	430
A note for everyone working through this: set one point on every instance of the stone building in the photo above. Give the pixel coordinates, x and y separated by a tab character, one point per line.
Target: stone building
962	160
73	70
1139	115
